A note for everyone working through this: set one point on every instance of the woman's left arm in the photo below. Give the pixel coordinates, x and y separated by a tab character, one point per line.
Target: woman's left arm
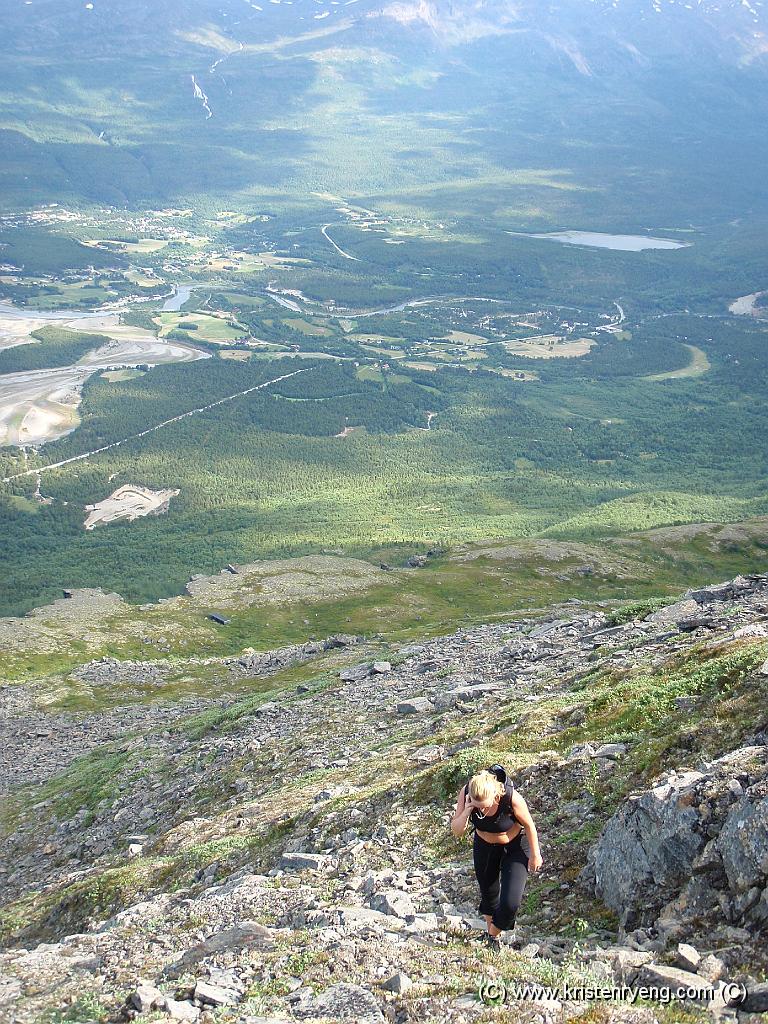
523	815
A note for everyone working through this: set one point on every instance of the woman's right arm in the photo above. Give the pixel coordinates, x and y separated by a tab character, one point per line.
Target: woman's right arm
461	814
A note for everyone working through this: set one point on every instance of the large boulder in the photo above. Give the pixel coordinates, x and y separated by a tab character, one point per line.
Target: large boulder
646	850
693	846
341	1002
726	591
674	613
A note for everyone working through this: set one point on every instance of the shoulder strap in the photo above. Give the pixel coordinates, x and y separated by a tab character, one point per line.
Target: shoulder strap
509	789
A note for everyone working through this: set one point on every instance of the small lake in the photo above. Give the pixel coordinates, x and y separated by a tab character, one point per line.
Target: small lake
599	240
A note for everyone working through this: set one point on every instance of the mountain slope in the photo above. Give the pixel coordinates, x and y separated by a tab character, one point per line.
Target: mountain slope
130	91
296	842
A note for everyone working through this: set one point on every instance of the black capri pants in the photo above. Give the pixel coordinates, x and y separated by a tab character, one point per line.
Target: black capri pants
501	871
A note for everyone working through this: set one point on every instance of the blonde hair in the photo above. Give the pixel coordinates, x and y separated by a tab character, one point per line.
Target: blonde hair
485	786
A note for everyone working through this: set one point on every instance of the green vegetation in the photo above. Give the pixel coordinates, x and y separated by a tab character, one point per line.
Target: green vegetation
726	696
55	347
88	781
266	475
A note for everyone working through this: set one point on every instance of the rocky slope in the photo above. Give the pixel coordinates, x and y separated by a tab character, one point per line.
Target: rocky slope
285	855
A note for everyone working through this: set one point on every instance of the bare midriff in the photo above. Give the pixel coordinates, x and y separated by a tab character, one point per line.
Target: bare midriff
499	838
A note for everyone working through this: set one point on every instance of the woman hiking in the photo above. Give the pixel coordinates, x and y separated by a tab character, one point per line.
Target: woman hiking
499	814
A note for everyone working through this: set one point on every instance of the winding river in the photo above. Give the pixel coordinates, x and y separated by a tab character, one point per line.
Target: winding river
37	406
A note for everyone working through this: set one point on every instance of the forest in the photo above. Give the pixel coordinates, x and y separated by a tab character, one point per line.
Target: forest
576	453
55	347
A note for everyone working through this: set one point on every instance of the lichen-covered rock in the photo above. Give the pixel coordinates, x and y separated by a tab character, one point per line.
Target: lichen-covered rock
693	845
341	1002
647	848
674	613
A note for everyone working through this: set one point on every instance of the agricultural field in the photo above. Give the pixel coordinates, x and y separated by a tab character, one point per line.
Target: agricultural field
202	326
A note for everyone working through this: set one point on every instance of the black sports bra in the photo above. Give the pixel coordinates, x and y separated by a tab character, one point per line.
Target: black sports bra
503	820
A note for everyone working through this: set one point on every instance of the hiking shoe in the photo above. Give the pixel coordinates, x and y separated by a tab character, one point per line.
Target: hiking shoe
492	942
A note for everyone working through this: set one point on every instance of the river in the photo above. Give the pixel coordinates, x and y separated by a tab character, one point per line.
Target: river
181	293
41	405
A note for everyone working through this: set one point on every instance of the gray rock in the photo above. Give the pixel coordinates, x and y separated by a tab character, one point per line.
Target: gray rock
547	627
355	673
674	613
397	983
625	963
416	561
743	841
244	933
343	640
357	918
754	631
712	968
429	754
756	1000
410	649
146	997
380	667
415	706
467	694
268	1020
342	1002
695	846
225	979
530	950
215	995
423	923
394	902
610	750
180	1009
10	990
304	861
580	751
646	849
688	957
719	591
682	984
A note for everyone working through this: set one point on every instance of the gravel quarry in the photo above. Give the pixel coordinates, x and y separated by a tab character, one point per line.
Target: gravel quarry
128	502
